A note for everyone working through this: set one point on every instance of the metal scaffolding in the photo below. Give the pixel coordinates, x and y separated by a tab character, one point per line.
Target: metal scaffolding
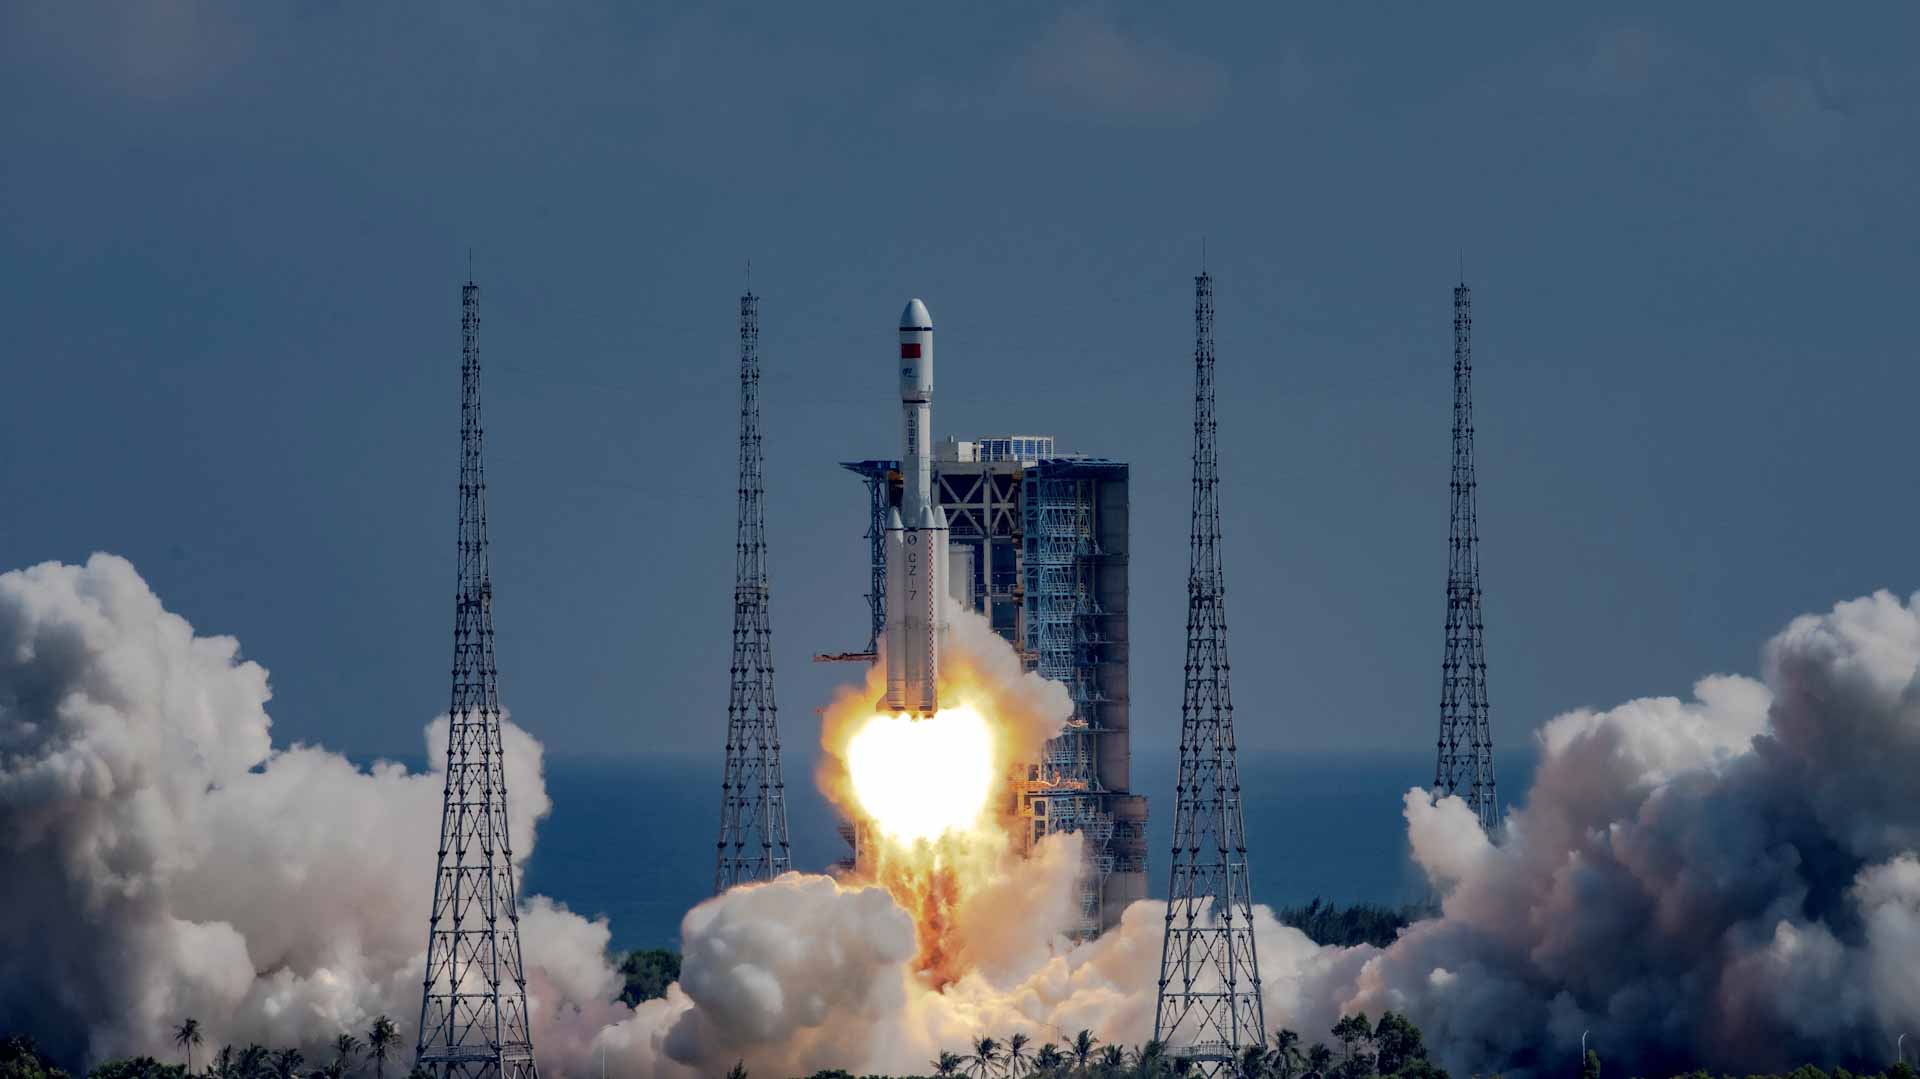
875	473
1040	548
1465	759
1209	1007
753	805
473	1003
1061	640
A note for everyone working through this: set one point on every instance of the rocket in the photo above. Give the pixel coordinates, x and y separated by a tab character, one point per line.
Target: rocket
916	540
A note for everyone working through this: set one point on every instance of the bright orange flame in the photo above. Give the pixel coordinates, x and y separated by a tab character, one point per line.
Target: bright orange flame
933	801
920	779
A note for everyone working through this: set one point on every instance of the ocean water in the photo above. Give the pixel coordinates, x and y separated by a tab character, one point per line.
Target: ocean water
634	839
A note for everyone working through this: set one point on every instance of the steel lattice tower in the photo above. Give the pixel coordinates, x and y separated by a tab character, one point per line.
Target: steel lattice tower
473	1007
753	806
1209	1006
1465	765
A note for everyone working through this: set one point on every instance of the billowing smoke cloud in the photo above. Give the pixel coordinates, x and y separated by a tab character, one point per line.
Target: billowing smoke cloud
1729	880
163	859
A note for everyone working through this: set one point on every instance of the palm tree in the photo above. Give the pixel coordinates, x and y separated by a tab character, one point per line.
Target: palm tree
286	1064
738	1071
1253	1062
222	1063
189	1036
1318	1059
948	1064
1113	1060
1048	1059
1286	1054
1080	1049
381	1037
1017	1060
345	1047
985	1058
252	1063
1150	1060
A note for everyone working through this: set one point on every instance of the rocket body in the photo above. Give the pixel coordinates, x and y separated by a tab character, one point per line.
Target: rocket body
916	540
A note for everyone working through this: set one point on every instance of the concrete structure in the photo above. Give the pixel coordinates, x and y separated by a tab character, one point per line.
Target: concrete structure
1038	543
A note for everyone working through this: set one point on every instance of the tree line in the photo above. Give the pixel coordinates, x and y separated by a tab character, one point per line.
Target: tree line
1392	1048
351	1056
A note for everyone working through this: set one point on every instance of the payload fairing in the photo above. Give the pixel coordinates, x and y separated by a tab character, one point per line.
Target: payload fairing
916	541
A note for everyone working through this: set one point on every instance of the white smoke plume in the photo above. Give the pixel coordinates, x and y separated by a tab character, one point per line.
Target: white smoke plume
1730	881
163	859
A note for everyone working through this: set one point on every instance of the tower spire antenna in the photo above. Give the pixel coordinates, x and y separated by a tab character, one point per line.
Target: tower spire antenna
753	806
1209	1005
1465	758
473	1005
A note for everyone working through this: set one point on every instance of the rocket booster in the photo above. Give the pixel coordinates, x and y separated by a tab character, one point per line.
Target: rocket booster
916	541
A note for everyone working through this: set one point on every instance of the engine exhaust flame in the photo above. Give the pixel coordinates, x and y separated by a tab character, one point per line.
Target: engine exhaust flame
921	779
931	800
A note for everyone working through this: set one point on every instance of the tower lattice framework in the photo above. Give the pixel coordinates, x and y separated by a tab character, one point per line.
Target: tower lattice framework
1209	1004
473	1007
753	806
1465	765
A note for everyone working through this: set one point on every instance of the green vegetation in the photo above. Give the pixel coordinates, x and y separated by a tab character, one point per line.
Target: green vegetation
20	1059
1392	1049
1361	923
648	973
137	1068
381	1038
1361	1049
188	1036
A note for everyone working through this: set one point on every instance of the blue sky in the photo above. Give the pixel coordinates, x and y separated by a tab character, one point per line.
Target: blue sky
231	240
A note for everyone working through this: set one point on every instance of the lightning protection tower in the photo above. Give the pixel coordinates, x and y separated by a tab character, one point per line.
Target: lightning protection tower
1465	765
473	1008
1209	1005
753	806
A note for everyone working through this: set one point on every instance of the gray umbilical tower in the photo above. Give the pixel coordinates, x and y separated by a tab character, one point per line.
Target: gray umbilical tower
1465	760
1209	1005
753	804
473	1007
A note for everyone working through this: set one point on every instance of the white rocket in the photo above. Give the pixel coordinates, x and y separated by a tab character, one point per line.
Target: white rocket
916	537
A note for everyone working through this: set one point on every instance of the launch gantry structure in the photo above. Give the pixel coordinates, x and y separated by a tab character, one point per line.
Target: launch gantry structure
473	1004
753	807
1040	547
1209	1005
1465	759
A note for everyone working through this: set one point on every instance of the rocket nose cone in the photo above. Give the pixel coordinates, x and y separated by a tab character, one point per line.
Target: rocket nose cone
915	317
